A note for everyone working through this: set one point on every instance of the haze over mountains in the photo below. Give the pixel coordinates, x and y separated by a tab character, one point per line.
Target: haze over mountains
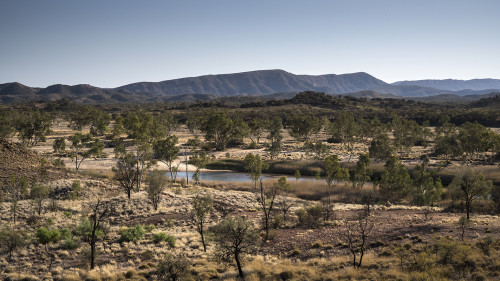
271	83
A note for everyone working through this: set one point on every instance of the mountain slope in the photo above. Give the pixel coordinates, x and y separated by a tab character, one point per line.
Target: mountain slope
454	85
261	82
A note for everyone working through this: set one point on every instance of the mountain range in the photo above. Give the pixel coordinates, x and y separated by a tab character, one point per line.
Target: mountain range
255	83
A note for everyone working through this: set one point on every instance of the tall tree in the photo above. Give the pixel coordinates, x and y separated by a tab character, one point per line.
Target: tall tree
470	185
167	152
222	130
380	148
275	137
33	127
363	172
426	190
302	126
333	172
396	181
257	127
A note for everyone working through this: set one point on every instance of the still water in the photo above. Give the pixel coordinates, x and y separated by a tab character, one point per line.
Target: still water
226	176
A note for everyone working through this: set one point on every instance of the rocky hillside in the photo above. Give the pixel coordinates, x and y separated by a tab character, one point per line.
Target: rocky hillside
15	159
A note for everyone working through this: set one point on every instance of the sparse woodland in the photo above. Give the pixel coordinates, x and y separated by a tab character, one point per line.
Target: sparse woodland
363	189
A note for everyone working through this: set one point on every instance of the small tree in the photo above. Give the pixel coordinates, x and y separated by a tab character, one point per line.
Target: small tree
285	188
126	173
297	175
199	160
11	239
275	137
235	237
59	145
167	152
346	129
469	185
38	193
84	146
363	172
202	207
355	234
333	172
254	165
46	236
464	222
380	148
156	184
15	190
91	229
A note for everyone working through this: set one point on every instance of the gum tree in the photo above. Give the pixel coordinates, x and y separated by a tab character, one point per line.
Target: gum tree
202	207
470	185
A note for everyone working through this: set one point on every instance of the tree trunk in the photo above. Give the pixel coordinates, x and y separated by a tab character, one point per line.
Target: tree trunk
361	257
203	239
238	264
467	208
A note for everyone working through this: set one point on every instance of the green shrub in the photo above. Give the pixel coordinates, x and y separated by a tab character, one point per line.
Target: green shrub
132	234
149	228
162	236
70	244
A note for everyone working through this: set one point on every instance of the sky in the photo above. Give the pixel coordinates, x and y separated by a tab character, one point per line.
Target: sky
116	42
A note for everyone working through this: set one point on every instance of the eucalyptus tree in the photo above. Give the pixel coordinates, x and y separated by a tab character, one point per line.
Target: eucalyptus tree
396	181
333	172
469	185
346	129
156	182
222	130
235	237
254	165
363	172
84	146
167	151
275	137
202	207
302	126
33	126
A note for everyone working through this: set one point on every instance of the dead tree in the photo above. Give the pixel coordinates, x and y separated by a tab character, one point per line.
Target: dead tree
266	202
355	234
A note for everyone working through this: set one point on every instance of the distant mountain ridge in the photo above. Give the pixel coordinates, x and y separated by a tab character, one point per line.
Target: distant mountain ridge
266	83
454	85
262	82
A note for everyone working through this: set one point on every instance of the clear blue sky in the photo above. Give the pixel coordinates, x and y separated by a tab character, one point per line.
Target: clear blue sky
109	43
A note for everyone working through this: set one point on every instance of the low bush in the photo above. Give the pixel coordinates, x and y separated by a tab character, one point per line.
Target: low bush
132	234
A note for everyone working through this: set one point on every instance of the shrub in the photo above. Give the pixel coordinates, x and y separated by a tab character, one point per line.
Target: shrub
149	228
311	216
173	268
132	234
162	236
70	244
